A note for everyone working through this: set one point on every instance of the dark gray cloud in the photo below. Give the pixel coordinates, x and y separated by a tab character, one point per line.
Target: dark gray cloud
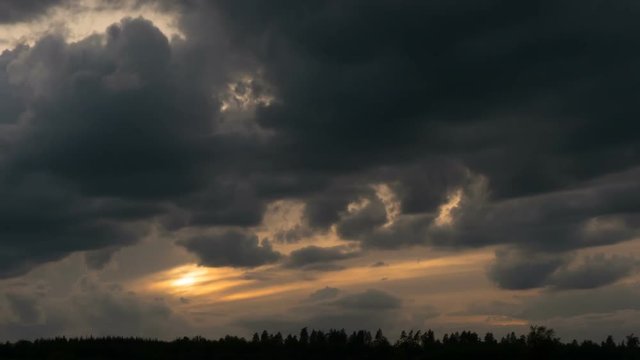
338	69
599	212
528	108
15	11
326	293
126	90
498	91
79	157
370	299
44	222
372	215
231	248
519	269
319	258
594	271
100	137
524	270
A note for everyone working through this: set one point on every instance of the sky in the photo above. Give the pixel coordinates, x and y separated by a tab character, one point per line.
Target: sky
182	168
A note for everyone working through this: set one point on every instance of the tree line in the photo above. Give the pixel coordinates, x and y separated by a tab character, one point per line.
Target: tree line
539	343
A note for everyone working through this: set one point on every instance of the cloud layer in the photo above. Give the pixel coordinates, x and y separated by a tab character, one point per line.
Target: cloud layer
389	125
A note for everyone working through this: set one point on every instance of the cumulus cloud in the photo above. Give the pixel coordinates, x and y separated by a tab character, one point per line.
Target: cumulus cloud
363	218
81	156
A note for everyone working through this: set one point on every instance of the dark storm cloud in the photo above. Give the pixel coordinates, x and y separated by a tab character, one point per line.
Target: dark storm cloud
222	202
43	221
106	117
98	133
231	248
527	108
319	258
536	104
100	136
384	82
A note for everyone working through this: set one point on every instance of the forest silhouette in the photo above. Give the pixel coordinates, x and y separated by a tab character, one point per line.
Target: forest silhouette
539	343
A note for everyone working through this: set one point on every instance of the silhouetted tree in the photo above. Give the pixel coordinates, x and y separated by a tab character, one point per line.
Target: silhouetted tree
264	337
290	340
304	336
277	339
540	335
609	343
380	340
539	343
